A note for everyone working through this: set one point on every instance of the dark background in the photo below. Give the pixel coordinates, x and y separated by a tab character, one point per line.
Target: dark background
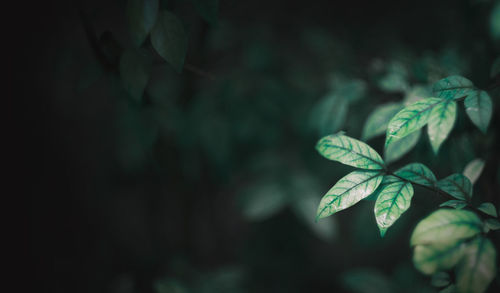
167	216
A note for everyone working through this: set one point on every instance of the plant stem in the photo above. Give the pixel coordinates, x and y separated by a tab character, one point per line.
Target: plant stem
431	188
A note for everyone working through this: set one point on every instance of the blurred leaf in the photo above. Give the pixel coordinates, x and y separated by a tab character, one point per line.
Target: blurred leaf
454	203
473	170
453	87
410	119
393	200
169	285
446	226
479	109
492	224
262	200
377	122
351	89
135	69
208	9
418	173
440	279
417	93
348	191
349	151
366	281
401	147
395	80
488	208
169	39
495	68
477	268
433	258
495	22
441	122
457	185
450	289
329	113
141	16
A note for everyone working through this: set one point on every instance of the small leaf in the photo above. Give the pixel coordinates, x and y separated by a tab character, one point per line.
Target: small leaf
417	173
454	203
410	119
393	200
495	22
433	258
135	68
473	170
479	109
488	208
477	268
441	122
457	185
169	39
208	9
446	226
401	147
349	151
492	224
141	18
263	200
440	279
377	122
348	191
388	179
329	113
453	87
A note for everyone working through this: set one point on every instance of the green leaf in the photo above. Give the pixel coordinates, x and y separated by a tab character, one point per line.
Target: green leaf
377	122
450	289
457	185
366	280
488	208
495	68
473	170
454	203
479	109
492	224
349	89
417	173
348	191
135	68
328	115
441	122
393	200
410	119
263	200
477	268
349	151
208	9
495	22
169	39
401	147
433	258
387	180
440	279
453	87
446	226
141	16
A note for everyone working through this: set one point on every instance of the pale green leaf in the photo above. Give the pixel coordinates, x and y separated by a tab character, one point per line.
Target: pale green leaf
441	122
135	69
433	258
377	122
478	266
329	114
473	170
457	185
417	173
393	200
349	151
478	107
388	179
348	191
446	226
410	119
440	279
453	87
492	224
263	200
169	39
141	16
208	9
488	208
454	203
401	147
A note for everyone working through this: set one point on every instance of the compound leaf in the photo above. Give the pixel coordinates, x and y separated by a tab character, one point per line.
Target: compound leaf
457	185
453	87
141	16
377	122
473	170
349	151
169	39
446	226
348	191
478	107
441	122
477	267
393	200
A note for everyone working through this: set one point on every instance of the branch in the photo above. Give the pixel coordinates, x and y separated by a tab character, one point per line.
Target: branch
436	190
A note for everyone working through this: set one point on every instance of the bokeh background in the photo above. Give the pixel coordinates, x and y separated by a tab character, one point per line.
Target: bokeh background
210	182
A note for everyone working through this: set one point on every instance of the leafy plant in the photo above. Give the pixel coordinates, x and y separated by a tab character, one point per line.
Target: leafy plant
453	237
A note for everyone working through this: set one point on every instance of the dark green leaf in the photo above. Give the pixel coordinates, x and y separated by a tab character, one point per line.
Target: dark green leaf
488	208
453	87
329	114
169	39
135	68
495	68
492	224
473	170
417	173
440	279
477	268
410	119
457	185
441	122
348	191
141	18
263	200
349	151
393	200
446	226
454	203
208	9
377	122
401	147
479	109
